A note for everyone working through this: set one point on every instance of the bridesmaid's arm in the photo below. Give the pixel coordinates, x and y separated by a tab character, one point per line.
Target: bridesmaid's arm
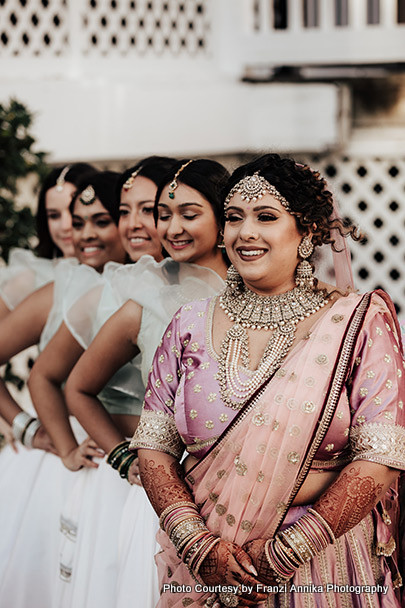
4	310
20	329
113	347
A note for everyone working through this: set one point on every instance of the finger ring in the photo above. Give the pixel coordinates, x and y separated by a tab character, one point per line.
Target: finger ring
229	599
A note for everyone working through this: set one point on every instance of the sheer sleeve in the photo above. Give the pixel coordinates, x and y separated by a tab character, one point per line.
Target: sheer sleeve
157	427
377	391
24	274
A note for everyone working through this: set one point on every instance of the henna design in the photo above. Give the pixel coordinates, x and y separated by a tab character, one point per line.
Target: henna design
348	500
255	549
163	484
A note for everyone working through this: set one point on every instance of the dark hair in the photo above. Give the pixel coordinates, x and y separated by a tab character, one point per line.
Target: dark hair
105	186
46	248
152	167
306	191
206	176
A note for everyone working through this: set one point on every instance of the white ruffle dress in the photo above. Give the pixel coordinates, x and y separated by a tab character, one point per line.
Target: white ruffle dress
33	486
24	274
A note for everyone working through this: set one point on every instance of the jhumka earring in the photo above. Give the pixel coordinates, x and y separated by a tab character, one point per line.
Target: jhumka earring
304	276
88	196
173	184
60	182
221	244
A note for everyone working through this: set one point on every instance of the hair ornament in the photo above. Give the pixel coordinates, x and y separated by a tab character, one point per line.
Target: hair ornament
60	182
88	196
254	187
130	181
173	184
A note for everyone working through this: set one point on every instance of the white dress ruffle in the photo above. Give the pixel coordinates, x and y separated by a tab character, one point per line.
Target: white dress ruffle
24	274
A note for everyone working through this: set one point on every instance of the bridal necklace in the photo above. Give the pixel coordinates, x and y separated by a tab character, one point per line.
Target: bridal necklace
249	310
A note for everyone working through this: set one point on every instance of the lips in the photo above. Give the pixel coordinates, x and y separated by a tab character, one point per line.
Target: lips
91	249
138	240
250	253
180	244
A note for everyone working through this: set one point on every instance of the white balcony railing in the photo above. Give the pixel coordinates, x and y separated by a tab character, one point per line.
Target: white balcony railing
275	33
70	38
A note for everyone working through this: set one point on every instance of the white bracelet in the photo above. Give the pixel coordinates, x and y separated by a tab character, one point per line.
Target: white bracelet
20	423
29	434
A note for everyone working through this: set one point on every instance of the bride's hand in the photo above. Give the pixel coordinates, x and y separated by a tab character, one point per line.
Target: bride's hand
255	550
228	564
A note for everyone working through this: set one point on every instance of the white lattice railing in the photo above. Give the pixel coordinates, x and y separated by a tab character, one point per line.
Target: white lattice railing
68	36
371	192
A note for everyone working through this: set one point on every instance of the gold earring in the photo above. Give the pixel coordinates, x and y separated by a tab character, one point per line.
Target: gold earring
221	244
304	277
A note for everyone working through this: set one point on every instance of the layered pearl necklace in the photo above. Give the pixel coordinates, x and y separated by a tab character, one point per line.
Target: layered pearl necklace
249	310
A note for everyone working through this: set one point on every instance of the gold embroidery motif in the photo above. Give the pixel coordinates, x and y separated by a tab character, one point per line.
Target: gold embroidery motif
169	378
387	358
185	342
388	384
211	397
175	350
337	318
388	326
188	307
400	405
280	373
201	313
223	417
308	407
157	431
293	457
295	431
194	347
370	342
209	424
189	361
220	509
148	393
370	374
169	402
230	520
260	476
161	359
388	415
241	467
221	473
190	375
361	419
193	414
379	442
339	415
246	525
379	331
321	359
197	388
276	425
178	315
158	383
377	400
199	445
399	373
363	391
205	365
330	447
357	361
169	334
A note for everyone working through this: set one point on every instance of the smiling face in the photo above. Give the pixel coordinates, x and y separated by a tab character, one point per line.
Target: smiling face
59	217
95	236
187	226
137	226
261	240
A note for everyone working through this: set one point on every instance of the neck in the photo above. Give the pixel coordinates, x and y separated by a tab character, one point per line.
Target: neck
215	262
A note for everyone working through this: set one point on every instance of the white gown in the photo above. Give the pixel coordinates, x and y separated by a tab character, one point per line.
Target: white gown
33	486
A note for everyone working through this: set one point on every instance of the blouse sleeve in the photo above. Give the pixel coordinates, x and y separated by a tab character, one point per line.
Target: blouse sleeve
377	391
157	427
24	274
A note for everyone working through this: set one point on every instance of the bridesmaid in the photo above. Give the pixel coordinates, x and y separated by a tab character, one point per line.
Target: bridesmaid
188	212
34	483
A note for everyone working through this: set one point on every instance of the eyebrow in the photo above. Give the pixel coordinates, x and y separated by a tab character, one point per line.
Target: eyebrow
95	216
182	205
151	200
261	208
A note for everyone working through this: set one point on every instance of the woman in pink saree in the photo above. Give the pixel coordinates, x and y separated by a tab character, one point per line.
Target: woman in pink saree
287	395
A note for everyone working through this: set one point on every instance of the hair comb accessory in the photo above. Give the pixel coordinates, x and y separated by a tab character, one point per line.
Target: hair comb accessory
88	196
254	187
173	184
60	182
129	183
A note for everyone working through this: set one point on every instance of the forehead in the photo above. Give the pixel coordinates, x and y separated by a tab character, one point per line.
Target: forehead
183	195
88	210
59	200
143	189
266	201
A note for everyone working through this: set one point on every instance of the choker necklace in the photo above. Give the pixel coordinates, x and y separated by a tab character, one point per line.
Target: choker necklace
249	310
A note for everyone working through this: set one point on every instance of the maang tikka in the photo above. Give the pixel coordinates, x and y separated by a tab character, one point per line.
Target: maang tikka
88	196
304	277
129	183
60	181
173	184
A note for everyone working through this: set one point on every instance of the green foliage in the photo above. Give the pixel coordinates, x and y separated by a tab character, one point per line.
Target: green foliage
17	160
